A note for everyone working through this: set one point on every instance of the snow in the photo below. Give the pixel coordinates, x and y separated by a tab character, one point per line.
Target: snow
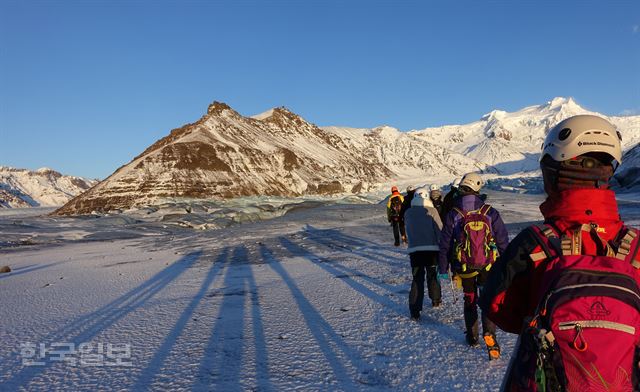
264	115
315	299
42	187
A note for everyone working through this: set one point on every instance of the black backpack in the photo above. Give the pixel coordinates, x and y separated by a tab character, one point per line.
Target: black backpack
396	207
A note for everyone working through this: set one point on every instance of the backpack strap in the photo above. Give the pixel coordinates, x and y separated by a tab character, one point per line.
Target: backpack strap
547	239
484	210
459	211
625	244
627	250
571	243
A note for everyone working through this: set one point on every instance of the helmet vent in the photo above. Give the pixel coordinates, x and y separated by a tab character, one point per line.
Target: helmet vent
564	134
619	135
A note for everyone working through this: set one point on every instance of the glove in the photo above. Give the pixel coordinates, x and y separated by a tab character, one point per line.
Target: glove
443	276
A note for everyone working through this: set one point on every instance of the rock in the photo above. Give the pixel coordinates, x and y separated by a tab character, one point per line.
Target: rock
5	269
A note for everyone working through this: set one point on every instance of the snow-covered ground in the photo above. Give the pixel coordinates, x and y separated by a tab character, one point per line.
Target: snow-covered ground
314	299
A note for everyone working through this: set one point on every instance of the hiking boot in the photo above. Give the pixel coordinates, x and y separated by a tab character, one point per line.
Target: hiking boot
396	244
404	239
415	315
472	341
436	304
492	346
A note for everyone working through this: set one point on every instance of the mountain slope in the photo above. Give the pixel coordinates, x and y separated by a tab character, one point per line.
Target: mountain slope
43	187
225	155
510	142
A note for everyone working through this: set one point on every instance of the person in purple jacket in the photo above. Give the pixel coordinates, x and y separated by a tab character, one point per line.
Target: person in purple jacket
456	238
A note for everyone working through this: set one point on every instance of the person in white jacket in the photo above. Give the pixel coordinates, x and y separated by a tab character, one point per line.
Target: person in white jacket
423	226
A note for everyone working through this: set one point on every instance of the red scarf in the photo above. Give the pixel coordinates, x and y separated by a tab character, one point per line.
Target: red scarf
574	207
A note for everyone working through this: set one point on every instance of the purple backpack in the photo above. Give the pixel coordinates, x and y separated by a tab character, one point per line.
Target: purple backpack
475	245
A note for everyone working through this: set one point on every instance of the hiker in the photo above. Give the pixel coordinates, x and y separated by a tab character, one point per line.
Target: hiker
447	202
569	286
406	203
477	235
394	207
423	232
436	198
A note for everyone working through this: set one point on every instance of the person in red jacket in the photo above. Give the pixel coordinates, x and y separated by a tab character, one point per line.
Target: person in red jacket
578	159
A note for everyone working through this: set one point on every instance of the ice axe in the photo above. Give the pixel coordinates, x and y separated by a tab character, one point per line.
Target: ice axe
453	292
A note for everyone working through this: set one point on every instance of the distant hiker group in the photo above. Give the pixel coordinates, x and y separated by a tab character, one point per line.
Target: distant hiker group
570	286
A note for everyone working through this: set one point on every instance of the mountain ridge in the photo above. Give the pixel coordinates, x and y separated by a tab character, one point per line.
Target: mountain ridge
44	187
278	153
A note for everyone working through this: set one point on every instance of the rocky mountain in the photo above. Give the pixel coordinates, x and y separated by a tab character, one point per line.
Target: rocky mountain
225	154
42	187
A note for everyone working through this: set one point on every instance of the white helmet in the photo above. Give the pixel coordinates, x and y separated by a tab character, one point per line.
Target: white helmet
434	187
473	181
410	188
582	134
421	198
421	192
456	182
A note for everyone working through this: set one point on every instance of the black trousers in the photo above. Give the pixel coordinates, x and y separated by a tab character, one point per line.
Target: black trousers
422	261
398	229
472	288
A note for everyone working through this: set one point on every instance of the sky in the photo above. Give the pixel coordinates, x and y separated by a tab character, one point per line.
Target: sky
85	86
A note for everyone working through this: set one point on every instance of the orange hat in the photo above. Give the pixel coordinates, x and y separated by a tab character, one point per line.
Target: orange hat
394	189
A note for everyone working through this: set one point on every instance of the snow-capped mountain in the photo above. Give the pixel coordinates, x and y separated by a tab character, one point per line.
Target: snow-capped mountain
42	187
510	142
278	153
628	174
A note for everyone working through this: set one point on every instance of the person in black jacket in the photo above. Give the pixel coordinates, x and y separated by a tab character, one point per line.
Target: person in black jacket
406	203
436	198
448	202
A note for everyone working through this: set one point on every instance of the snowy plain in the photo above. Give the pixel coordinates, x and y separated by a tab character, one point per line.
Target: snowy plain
313	299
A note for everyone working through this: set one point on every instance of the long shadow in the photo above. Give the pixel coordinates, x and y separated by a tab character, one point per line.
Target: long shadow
146	376
350	240
223	356
353	244
262	357
327	265
348	272
28	269
332	239
328	340
85	328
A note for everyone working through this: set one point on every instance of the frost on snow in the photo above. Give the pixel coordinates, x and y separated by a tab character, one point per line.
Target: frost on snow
315	299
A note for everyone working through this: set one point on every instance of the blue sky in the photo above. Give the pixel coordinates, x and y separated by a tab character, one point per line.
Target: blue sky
87	85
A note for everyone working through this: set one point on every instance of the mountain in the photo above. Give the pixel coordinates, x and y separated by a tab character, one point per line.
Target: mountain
42	187
510	142
278	153
628	174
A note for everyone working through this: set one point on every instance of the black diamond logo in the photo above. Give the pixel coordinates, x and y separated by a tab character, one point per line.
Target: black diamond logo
579	144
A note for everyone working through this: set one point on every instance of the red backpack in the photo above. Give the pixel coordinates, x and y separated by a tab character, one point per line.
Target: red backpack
475	245
585	333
